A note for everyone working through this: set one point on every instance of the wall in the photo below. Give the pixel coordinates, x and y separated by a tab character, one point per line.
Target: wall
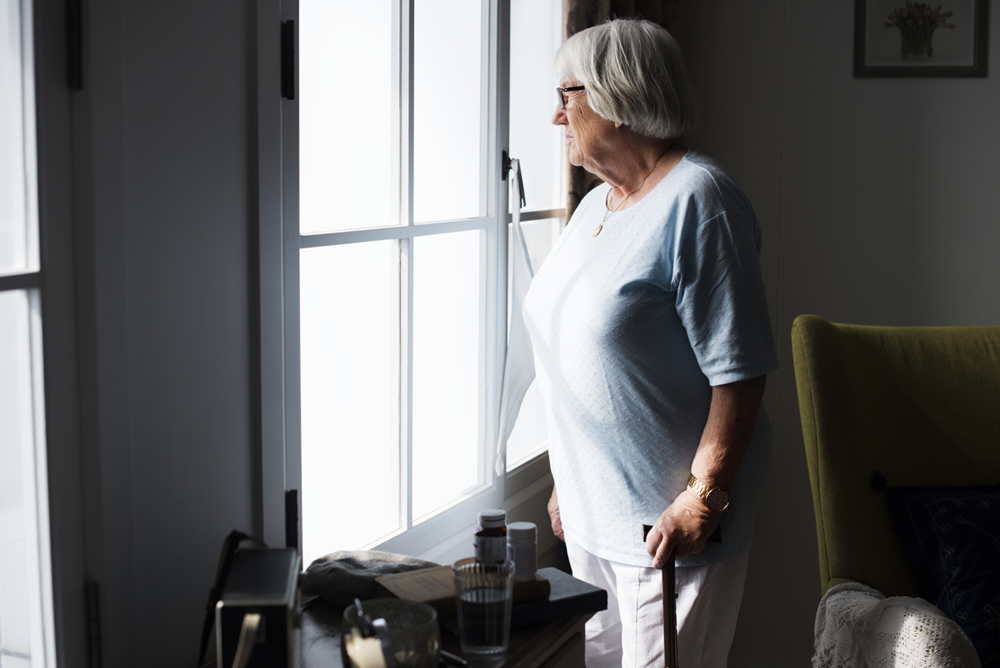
163	269
879	201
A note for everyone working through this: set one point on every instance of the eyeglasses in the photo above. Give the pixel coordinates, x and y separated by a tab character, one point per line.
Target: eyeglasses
561	94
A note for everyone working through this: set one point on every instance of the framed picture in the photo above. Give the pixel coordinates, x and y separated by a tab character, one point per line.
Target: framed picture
940	38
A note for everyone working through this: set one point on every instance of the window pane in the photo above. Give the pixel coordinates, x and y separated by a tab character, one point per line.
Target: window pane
345	115
535	35
448	130
350	395
22	525
13	219
447	364
530	435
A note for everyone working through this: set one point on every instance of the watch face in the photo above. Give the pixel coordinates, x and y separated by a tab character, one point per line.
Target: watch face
717	499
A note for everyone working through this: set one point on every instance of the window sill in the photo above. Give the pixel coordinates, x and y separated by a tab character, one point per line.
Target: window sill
526	474
446	537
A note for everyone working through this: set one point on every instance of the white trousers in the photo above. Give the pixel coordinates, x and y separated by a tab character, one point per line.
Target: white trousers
630	632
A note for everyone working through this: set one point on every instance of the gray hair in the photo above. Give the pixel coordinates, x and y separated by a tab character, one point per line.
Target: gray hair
634	73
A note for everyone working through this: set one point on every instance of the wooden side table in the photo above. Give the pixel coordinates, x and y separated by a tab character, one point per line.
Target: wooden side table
557	645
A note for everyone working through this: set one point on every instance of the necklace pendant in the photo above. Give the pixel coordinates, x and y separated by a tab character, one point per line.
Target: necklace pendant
598	230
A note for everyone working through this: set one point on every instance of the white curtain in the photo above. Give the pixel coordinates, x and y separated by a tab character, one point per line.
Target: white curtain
519	364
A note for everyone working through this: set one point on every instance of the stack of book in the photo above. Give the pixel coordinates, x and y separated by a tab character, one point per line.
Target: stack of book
551	597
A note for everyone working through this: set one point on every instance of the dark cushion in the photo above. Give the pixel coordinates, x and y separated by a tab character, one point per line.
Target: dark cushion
951	536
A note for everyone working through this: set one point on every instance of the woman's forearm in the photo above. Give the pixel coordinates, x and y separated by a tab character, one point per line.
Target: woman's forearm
685	526
731	420
554	517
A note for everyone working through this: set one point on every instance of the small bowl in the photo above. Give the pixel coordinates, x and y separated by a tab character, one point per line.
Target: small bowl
413	630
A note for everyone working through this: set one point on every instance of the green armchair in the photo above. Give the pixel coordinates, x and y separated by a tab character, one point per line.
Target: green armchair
921	405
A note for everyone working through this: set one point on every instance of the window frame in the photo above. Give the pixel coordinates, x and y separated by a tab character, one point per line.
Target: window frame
278	242
28	282
50	287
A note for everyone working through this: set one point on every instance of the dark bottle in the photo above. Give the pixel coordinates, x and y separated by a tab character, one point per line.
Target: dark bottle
490	541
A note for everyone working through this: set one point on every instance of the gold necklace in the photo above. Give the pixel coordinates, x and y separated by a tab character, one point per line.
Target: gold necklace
608	213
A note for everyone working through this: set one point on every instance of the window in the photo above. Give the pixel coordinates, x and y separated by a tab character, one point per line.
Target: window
25	563
395	267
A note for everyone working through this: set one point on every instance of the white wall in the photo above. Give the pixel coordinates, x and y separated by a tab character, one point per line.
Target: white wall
880	203
164	273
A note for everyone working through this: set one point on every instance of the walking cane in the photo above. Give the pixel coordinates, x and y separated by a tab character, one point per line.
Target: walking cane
669	607
670	600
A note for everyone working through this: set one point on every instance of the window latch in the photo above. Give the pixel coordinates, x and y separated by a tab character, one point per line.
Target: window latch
507	166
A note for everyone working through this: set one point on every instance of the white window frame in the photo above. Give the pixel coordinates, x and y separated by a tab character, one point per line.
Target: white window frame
32	282
279	244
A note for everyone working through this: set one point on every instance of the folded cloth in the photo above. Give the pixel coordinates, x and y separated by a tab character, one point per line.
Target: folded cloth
342	576
858	627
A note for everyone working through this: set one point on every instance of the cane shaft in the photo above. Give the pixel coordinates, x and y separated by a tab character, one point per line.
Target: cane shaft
669	575
670	615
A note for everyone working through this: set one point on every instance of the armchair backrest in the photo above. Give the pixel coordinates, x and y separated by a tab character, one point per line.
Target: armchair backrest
921	405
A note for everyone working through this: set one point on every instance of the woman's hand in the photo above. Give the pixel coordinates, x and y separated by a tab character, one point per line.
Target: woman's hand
683	528
554	516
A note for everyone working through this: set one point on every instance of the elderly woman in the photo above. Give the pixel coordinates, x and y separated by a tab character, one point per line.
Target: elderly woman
652	341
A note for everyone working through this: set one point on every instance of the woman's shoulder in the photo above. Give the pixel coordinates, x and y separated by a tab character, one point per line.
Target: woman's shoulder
698	168
705	182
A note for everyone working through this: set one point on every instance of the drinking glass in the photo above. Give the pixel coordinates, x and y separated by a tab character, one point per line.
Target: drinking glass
483	595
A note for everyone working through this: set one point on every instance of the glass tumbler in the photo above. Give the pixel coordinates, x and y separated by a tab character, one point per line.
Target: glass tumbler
483	595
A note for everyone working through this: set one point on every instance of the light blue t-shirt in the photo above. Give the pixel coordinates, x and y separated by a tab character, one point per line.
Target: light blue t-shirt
630	330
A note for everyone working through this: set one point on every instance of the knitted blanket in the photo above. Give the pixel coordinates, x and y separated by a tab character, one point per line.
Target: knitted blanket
858	627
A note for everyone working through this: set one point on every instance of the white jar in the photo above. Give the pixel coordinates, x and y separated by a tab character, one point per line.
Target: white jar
522	549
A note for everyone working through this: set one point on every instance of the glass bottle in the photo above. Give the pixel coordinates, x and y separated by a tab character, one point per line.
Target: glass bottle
490	541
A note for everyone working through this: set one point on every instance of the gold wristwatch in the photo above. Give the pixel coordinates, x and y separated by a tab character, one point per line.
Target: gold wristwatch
715	498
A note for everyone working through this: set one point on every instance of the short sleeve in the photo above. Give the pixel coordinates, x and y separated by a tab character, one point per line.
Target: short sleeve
720	298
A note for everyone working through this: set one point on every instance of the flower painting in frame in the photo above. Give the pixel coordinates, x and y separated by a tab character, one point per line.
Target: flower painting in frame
903	38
